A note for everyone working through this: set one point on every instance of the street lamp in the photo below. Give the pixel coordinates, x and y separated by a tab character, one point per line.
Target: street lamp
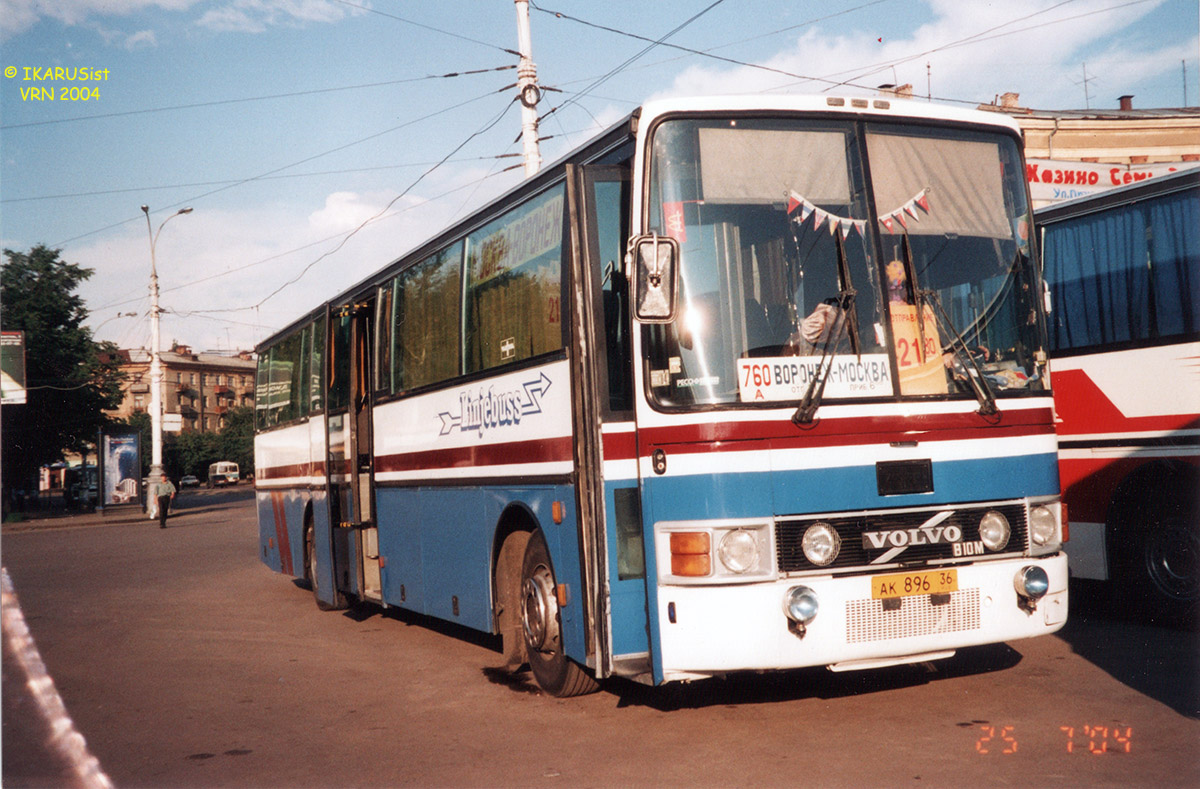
156	373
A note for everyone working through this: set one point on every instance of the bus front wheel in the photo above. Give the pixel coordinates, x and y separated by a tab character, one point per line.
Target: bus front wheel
541	622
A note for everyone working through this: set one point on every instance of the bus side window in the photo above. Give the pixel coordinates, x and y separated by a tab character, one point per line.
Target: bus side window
514	284
612	230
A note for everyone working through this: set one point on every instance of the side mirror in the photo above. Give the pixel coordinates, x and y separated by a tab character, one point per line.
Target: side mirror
656	276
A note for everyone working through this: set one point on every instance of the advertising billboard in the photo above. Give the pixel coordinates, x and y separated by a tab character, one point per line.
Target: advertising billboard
12	367
120	467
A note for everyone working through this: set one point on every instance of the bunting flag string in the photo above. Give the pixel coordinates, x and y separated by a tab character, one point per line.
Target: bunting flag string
892	218
803	209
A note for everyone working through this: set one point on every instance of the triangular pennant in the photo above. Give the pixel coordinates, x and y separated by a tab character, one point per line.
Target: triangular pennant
861	226
923	200
819	217
887	223
846	225
794	202
911	210
834	223
899	215
806	210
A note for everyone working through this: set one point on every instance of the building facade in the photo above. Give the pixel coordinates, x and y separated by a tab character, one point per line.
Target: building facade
1076	153
198	388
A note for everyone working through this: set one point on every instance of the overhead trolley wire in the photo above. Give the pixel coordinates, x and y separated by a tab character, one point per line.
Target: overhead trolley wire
406	21
277	170
626	63
487	127
247	99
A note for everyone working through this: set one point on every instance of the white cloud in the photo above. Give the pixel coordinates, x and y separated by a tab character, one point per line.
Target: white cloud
17	16
215	260
969	50
255	16
247	16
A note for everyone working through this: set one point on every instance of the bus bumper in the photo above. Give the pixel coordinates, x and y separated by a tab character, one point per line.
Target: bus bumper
708	630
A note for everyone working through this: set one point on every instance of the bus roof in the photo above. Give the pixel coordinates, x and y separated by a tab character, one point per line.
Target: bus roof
876	107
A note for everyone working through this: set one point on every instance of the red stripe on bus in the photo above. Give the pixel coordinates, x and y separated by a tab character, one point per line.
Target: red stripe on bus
293	470
281	532
854	431
547	450
1086	409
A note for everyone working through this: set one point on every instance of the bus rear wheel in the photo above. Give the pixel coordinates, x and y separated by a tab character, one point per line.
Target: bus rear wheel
541	622
1158	564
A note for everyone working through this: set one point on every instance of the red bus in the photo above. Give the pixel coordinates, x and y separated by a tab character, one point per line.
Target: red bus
1123	273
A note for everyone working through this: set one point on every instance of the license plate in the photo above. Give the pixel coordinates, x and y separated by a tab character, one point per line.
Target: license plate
909	584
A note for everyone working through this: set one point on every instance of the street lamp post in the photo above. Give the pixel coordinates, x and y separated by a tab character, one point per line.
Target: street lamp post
156	373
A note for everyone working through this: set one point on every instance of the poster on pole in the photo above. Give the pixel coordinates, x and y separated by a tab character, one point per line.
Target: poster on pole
12	368
120	467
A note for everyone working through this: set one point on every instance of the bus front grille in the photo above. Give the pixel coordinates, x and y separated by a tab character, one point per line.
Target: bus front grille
858	552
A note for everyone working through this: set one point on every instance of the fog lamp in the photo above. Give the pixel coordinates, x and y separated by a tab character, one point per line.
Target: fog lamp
1032	582
800	604
994	530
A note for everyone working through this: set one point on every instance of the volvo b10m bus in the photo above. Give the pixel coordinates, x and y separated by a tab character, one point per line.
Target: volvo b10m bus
1123	268
742	384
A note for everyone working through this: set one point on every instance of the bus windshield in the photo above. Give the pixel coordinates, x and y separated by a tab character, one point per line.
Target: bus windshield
884	260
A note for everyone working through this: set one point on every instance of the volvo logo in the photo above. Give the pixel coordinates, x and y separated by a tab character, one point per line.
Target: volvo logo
931	532
902	538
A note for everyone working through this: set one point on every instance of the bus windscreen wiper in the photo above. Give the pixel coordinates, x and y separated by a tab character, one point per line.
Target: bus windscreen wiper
975	377
816	385
845	317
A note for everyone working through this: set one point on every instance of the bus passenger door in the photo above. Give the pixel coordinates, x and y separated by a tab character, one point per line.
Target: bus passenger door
350	457
605	445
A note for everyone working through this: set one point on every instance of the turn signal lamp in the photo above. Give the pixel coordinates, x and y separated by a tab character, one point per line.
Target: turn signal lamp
690	554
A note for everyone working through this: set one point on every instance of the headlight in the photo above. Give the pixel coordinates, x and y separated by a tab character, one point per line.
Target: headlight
738	550
1042	525
800	604
994	530
821	544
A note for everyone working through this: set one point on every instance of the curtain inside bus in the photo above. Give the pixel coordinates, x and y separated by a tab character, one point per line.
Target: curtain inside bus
1125	275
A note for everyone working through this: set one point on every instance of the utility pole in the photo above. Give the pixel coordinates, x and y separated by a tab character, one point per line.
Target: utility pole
528	91
156	373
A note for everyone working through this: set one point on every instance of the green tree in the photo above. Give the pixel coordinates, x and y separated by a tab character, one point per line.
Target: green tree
193	452
141	420
237	438
71	378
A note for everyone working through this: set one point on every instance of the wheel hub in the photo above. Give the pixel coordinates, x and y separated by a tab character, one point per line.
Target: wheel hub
540	610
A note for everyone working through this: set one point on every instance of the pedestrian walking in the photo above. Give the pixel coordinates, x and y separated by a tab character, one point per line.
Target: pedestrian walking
164	491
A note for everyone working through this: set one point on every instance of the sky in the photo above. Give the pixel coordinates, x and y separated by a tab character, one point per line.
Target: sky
318	140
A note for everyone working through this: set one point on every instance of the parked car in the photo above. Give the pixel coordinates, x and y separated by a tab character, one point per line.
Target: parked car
189	481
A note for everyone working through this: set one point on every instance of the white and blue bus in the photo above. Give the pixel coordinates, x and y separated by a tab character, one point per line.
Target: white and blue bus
742	384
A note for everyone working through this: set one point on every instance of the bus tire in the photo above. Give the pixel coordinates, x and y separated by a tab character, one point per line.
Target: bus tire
1158	556
541	622
508	599
340	602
